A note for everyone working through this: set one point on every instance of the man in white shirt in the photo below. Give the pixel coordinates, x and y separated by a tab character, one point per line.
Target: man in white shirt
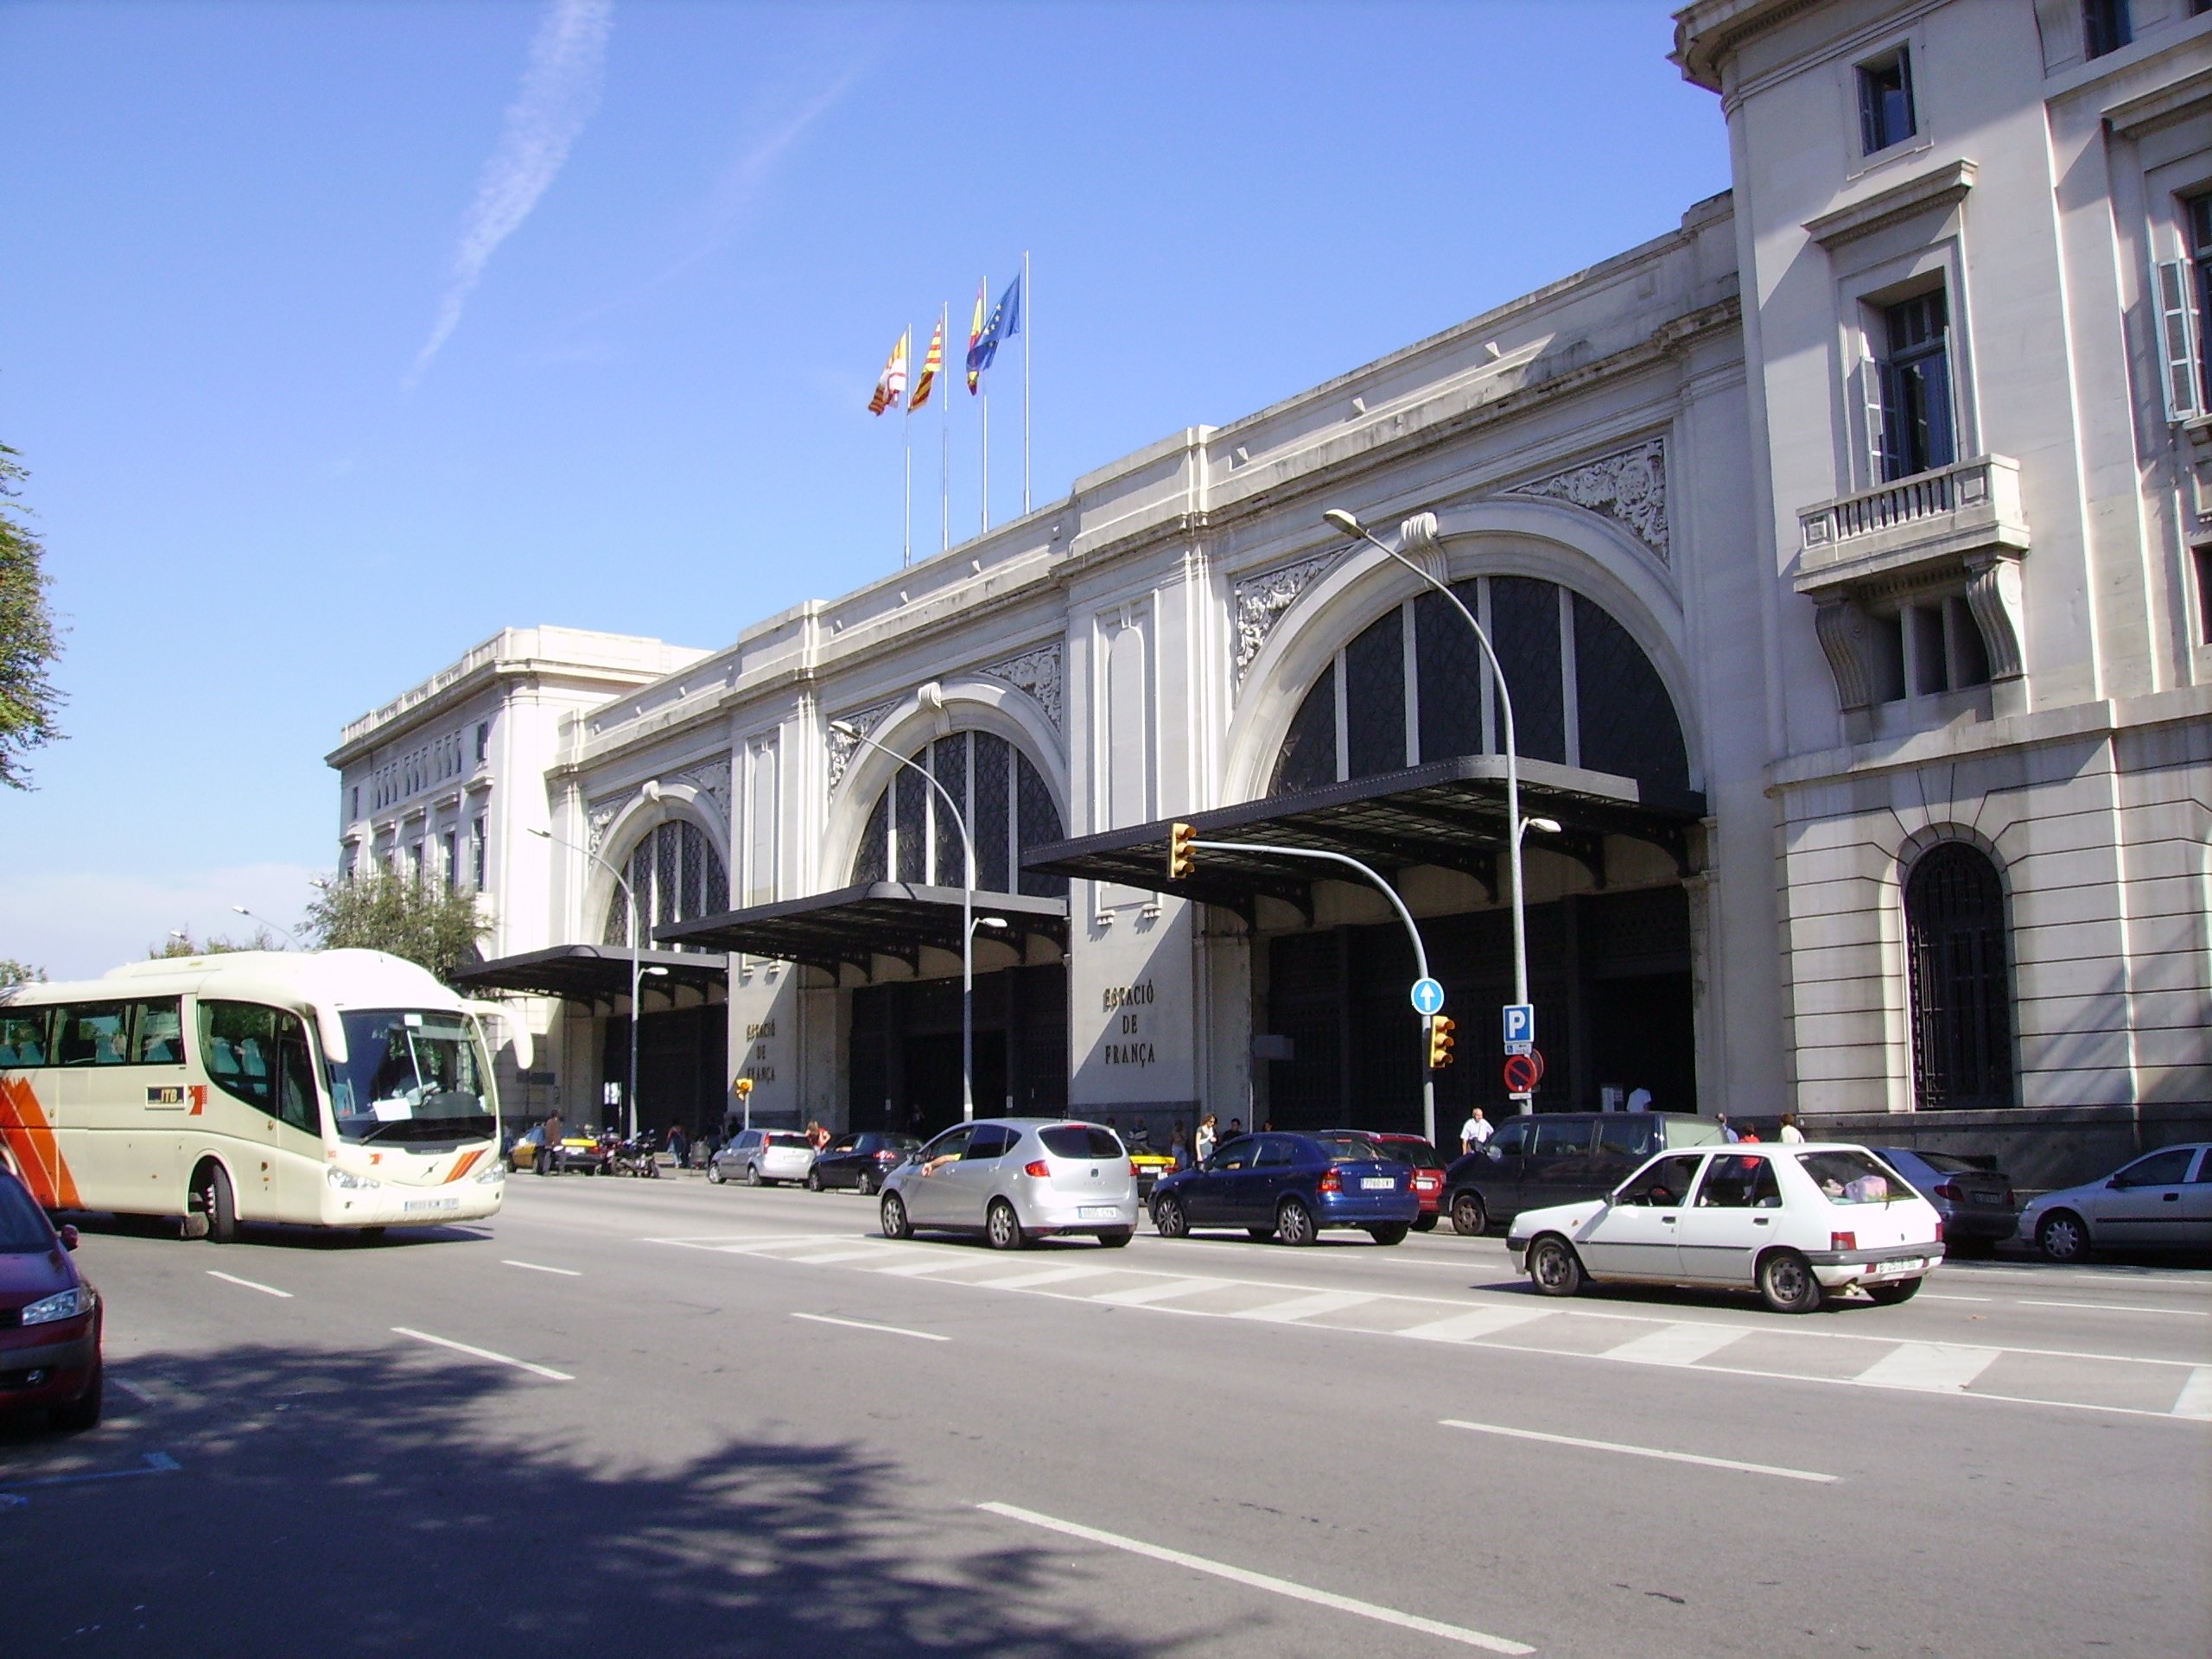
1475	1132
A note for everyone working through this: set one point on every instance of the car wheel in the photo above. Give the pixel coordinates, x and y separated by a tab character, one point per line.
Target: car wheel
1169	1219
212	1198
1786	1280
1896	1291
1554	1268
1390	1232
1470	1217
1002	1228
895	1224
1114	1237
865	1185
715	1176
1294	1223
83	1411
814	1180
753	1175
1426	1223
2062	1236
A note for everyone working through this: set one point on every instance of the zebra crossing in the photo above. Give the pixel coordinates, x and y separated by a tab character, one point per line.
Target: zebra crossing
1787	1350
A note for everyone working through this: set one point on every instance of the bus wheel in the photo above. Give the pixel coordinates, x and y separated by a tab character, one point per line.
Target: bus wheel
211	1197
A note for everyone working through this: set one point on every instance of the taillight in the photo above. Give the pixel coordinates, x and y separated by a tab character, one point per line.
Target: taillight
1330	1181
1949	1189
1939	1229
887	1157
2010	1202
1134	1171
1843	1241
1038	1169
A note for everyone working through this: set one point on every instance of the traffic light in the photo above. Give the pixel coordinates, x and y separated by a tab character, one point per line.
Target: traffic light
1182	838
742	1087
1440	1026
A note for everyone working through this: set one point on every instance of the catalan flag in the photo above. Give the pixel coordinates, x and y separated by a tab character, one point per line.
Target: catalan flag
931	364
975	335
891	385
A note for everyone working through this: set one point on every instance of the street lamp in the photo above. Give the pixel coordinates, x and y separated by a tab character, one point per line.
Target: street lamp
846	728
265	922
1350	526
629	1094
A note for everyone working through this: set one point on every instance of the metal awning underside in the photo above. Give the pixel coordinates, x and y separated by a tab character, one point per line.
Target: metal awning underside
592	973
1448	813
855	924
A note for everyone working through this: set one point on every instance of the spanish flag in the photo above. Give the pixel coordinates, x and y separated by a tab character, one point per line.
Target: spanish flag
931	364
891	385
975	333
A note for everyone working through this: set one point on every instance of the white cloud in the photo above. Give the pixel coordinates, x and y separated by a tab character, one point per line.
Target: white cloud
80	924
560	89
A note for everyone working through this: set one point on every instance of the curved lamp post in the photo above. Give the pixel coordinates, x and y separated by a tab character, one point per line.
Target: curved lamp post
265	922
630	1093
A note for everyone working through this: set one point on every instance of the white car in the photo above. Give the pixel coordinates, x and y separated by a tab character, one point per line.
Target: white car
1794	1221
763	1158
2161	1201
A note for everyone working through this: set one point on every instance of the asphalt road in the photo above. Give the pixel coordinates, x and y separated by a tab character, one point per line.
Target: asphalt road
727	1422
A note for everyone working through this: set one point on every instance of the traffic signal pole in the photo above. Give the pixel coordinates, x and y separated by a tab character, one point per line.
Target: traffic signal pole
1180	841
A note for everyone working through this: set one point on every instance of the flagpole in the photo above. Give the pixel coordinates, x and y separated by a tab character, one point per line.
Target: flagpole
1028	344
944	460
983	509
907	530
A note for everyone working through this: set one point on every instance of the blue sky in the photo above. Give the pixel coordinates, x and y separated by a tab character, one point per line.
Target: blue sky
337	337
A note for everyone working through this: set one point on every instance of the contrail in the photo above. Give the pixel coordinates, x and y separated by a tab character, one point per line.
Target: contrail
560	89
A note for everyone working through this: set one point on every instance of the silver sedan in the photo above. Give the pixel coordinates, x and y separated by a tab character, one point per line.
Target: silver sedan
1013	1179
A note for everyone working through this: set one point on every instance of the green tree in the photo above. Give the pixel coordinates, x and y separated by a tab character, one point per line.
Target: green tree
19	973
30	642
424	921
182	944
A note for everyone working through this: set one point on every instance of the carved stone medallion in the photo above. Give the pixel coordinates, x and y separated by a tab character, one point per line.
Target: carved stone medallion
1629	487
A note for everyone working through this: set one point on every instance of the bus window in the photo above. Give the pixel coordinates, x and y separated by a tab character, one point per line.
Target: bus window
22	1037
93	1034
296	1076
158	1032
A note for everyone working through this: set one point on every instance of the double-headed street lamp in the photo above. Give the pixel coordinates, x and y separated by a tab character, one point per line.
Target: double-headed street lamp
969	919
636	970
1517	826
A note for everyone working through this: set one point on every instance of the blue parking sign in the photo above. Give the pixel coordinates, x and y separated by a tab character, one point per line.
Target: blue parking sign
1519	1023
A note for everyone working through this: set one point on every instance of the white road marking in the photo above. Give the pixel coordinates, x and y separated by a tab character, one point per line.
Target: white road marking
1938	1367
933	1264
1483	1322
1305	1307
1043	1276
1676	1344
2124	1307
752	1246
484	1353
233	1279
1262	1582
536	1266
1936	1296
134	1390
1643	1451
863	1325
1146	1295
824	1261
2195	1396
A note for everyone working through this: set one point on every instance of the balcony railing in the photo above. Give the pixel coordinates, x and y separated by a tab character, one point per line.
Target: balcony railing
1933	516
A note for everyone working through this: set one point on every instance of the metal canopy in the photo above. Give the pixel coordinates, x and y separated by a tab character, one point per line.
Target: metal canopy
591	973
855	924
1448	813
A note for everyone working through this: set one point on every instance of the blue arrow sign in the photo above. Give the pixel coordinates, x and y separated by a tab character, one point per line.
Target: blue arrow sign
1520	1023
1428	997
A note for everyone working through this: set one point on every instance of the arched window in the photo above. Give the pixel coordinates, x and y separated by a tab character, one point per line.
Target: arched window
677	877
1412	687
1962	996
911	837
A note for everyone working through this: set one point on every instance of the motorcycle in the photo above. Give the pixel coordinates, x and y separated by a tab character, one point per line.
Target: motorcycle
634	1157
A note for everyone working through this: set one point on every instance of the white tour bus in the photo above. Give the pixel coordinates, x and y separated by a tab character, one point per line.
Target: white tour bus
332	1088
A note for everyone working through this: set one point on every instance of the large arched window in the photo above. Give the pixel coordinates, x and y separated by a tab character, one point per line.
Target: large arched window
1961	995
911	837
677	877
1411	687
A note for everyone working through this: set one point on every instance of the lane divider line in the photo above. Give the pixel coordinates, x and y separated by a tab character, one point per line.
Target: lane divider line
546	1371
538	1267
266	1290
863	1324
1775	1469
2124	1307
1262	1582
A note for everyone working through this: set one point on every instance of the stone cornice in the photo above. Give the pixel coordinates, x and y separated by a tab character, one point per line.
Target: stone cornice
2133	118
1709	30
1940	187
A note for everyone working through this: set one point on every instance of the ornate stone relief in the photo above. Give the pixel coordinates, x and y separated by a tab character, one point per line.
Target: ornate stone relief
1629	487
1262	599
602	814
1038	672
842	745
710	778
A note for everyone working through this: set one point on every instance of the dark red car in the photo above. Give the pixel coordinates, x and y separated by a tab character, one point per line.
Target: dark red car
49	1317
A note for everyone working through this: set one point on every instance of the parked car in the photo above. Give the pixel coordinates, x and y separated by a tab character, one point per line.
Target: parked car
860	1160
2162	1200
1977	1202
1560	1158
1291	1187
49	1317
1151	1164
1427	1166
1013	1179
1793	1222
762	1158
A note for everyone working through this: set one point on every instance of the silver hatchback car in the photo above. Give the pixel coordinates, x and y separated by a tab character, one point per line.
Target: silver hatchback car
1013	1179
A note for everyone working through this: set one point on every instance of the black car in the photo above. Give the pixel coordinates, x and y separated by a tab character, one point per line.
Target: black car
1560	1158
860	1160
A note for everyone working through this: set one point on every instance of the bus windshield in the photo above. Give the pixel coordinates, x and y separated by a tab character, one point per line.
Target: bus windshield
411	1077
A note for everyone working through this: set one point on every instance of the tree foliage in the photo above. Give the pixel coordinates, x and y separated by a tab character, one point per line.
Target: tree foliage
29	644
19	973
182	944
424	921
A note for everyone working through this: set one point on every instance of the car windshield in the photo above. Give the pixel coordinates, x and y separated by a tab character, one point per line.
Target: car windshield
1852	1177
409	1077
1352	1149
23	1230
1946	1163
1079	1140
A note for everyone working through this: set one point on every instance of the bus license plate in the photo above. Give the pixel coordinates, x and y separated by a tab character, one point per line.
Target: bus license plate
417	1206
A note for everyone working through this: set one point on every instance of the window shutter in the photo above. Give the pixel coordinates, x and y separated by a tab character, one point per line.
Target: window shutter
2177	340
1870	393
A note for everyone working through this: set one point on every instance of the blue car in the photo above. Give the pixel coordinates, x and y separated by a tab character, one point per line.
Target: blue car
1291	1187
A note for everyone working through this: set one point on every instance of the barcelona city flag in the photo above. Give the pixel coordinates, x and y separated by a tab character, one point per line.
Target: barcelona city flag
891	385
926	381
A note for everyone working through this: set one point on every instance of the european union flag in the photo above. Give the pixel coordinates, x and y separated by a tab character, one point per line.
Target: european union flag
1004	324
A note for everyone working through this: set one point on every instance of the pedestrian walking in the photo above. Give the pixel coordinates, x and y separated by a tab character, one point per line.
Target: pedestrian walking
1203	1145
678	1147
1791	1135
1475	1132
548	1161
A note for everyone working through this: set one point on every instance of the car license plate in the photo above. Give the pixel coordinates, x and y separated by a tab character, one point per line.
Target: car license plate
1100	1213
1882	1268
1377	1183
